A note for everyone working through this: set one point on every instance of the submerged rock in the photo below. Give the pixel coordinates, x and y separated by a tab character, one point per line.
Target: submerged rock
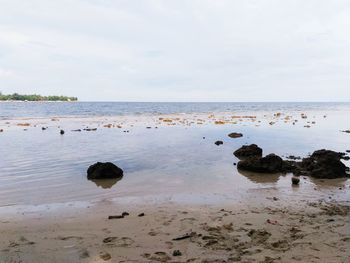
235	135
104	171
268	164
248	151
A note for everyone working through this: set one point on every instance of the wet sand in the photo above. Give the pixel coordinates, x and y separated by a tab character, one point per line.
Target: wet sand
274	231
187	189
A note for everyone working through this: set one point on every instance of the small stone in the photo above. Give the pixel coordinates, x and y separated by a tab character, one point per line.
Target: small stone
219	143
141	215
125	214
295	180
61	132
235	135
275	198
177	253
105	256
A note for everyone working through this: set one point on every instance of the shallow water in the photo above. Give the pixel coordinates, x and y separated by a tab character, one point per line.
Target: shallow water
10	110
171	163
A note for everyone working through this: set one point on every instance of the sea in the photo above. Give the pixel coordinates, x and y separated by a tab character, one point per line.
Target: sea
162	161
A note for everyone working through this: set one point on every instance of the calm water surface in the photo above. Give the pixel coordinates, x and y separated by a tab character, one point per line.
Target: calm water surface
171	163
10	110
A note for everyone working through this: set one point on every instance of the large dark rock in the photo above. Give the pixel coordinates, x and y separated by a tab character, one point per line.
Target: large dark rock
104	171
268	164
248	151
323	164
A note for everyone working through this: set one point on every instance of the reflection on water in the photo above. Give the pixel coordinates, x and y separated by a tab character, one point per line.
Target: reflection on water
331	183
260	178
106	183
170	161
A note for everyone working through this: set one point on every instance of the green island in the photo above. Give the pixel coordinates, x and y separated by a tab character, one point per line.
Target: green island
34	97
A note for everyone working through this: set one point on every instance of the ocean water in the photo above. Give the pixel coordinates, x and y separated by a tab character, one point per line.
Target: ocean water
10	110
173	162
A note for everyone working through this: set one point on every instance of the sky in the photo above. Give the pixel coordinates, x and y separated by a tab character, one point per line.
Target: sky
183	50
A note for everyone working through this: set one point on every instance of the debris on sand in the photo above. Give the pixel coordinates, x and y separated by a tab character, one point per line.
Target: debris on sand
116	217
105	256
185	236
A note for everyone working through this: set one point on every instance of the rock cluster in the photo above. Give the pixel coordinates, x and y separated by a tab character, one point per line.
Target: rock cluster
321	164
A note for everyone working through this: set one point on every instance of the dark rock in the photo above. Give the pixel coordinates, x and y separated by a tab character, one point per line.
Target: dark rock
292	157
78	130
141	215
235	135
248	151
125	214
104	171
268	164
324	164
43	128
348	151
177	253
61	132
295	180
219	143
346	131
90	129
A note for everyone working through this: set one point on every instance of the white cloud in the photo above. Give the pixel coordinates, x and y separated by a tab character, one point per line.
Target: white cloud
177	50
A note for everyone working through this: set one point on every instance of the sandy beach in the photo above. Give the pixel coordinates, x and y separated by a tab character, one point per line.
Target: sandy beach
272	231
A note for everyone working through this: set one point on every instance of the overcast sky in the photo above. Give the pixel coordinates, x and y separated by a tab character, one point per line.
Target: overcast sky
183	50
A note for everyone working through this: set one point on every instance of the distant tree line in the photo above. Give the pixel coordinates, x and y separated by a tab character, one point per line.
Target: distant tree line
35	97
